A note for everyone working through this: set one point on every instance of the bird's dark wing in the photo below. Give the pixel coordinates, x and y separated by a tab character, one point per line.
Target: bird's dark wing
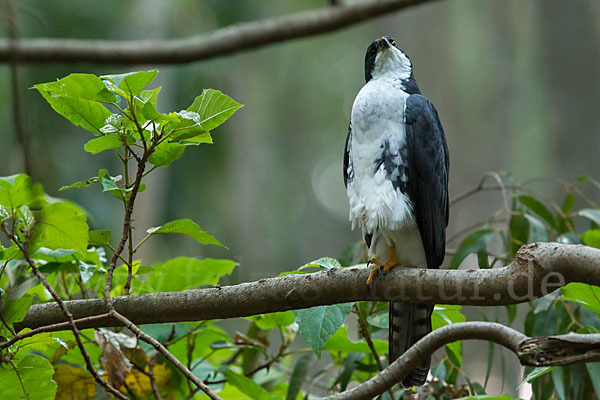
428	165
348	173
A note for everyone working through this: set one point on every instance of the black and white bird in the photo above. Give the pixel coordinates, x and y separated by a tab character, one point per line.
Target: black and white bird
396	175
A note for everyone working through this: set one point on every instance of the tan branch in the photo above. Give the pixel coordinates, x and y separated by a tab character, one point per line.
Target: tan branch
511	339
536	270
220	42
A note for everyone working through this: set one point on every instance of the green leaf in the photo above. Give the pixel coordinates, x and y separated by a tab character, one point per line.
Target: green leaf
591	214
248	386
537	230
569	238
183	273
131	83
297	377
214	108
78	98
350	365
60	226
273	320
536	373
32	379
568	203
487	397
186	227
593	370
380	320
581	293
80	184
445	315
107	142
322	263
519	232
165	153
339	341
15	310
539	208
16	190
99	237
317	324
473	243
591	238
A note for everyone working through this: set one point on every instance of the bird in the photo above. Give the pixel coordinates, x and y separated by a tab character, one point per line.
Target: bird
396	167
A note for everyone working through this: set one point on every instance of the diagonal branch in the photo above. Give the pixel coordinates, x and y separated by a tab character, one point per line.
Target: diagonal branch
220	42
513	340
537	269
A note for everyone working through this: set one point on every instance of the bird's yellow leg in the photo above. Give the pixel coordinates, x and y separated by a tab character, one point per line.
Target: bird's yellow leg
392	261
382	267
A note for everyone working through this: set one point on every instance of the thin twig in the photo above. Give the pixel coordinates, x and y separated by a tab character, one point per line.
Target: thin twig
364	330
24	247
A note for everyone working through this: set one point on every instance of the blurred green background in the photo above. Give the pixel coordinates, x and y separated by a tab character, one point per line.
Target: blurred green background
516	84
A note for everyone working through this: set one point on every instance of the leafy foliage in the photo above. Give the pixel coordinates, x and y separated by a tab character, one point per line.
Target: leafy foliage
267	360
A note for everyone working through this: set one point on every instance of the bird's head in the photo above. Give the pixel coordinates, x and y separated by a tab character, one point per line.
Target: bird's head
385	58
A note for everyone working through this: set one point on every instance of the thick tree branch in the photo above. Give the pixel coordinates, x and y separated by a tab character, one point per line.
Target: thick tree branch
536	270
511	339
220	42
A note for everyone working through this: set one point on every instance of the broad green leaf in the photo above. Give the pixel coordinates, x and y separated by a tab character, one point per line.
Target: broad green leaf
15	310
131	83
581	293
41	342
297	377
99	237
78	98
107	142
591	214
165	153
473	243
317	324
60	226
248	386
539	208
591	238
186	227
339	341
149	99
322	263
16	190
273	320
214	108
33	382
184	273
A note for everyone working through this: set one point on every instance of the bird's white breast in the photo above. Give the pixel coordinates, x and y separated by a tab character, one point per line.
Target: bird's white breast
378	120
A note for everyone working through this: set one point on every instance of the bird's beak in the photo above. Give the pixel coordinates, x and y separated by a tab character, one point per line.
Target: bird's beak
382	44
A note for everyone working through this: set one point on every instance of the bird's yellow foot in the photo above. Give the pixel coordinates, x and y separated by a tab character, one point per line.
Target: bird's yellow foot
382	267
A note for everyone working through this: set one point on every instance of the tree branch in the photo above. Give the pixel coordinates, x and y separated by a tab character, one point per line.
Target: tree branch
537	269
220	42
513	340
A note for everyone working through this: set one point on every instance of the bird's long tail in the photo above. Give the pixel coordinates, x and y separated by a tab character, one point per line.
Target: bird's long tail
409	322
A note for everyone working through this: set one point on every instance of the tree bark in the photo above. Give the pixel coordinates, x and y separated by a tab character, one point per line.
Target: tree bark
537	270
220	42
